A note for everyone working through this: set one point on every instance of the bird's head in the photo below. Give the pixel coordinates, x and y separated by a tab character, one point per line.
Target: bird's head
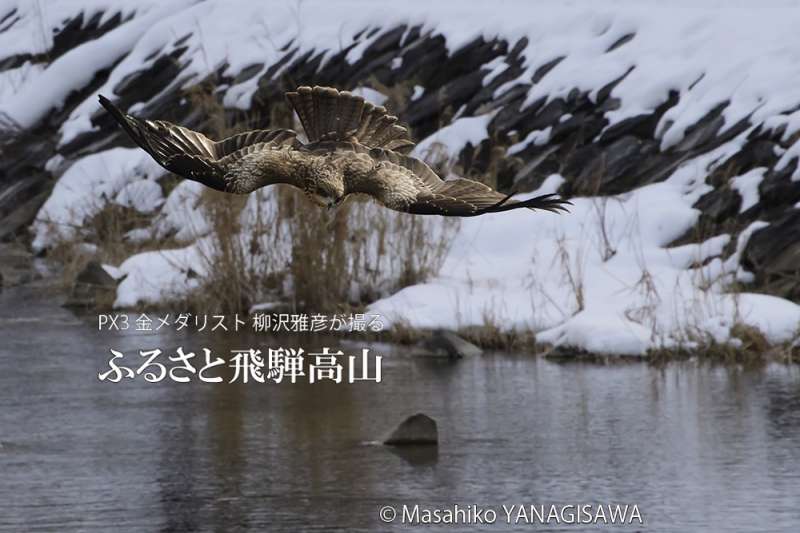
327	189
322	199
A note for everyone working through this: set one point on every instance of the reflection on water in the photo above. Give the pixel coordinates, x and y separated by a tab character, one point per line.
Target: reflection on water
697	448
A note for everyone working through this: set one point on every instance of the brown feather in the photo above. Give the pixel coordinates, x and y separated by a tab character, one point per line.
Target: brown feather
190	153
330	115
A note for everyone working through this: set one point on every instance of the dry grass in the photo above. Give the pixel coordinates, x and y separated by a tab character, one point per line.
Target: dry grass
398	95
600	207
573	273
490	336
750	347
227	282
102	237
404	333
107	230
71	258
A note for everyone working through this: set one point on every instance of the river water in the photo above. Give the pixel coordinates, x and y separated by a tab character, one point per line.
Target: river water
695	447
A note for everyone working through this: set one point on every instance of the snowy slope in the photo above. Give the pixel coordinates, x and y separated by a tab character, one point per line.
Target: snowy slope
604	278
556	275
709	54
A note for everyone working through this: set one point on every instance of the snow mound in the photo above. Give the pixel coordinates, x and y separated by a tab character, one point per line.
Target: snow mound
85	189
601	278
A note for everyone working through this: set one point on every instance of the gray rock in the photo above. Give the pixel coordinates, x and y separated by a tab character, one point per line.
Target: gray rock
542	71
622	40
773	253
703	131
580	128
779	192
248	72
548	115
539	166
642	126
21	216
444	342
719	204
451	95
511	114
92	288
76	31
141	85
95	274
417	456
613	169
418	429
16	265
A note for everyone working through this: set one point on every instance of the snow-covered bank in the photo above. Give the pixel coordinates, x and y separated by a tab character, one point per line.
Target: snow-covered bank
674	126
601	279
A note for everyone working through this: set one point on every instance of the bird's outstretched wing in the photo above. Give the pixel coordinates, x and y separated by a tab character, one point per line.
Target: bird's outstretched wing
191	154
368	148
405	183
466	198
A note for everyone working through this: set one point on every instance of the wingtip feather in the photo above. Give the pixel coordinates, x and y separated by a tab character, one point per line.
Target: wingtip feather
545	202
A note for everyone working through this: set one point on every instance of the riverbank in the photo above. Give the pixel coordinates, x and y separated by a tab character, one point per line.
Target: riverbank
683	171
20	270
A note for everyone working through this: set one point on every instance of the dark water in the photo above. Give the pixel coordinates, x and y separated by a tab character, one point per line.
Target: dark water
697	448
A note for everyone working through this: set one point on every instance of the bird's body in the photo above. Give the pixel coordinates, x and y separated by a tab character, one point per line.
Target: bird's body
353	147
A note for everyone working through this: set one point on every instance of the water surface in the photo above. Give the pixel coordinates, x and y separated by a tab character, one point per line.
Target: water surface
696	447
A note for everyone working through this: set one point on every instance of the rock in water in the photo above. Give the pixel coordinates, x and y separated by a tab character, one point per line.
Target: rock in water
92	287
417	456
447	342
414	430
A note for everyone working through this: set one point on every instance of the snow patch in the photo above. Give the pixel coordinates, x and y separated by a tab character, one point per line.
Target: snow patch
454	137
182	216
536	137
152	277
370	95
85	189
144	195
747	187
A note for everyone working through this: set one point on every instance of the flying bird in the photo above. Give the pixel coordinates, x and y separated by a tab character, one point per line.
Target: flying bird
352	147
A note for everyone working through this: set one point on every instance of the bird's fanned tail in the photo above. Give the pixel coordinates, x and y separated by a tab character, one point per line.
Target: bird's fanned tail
330	115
